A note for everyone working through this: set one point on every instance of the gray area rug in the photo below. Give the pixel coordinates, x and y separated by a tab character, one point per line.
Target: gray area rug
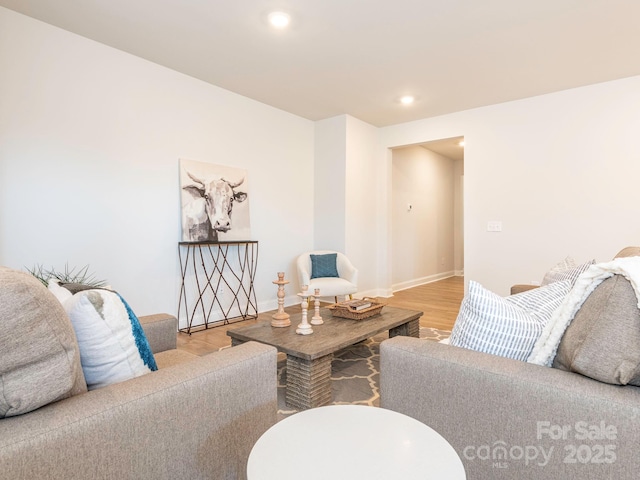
354	372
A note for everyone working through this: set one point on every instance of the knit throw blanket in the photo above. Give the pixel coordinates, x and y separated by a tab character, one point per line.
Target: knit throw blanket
546	347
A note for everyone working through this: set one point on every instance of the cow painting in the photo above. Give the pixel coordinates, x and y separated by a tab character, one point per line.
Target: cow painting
208	201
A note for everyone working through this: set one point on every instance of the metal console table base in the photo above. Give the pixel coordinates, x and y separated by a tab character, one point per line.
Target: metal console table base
213	270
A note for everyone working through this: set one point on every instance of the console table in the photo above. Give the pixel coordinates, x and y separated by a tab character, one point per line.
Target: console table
217	278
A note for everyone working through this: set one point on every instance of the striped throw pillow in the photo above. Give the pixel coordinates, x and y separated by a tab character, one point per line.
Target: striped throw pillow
509	326
566	270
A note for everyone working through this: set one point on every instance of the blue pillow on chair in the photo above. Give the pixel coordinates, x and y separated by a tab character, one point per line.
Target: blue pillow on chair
324	265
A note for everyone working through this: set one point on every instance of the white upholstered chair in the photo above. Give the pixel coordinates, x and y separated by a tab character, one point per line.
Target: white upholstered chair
344	284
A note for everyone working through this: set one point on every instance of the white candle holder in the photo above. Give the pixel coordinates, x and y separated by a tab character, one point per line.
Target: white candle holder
316	319
304	328
280	318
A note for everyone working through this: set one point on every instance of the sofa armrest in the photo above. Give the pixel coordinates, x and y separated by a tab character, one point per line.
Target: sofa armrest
519	288
491	409
196	420
161	331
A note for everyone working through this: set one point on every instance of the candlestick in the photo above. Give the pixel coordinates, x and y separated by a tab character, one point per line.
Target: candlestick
304	328
317	319
280	318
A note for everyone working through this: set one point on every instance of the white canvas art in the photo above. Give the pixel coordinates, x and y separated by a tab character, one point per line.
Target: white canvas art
214	202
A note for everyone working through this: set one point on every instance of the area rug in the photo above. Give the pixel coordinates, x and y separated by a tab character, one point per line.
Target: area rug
354	372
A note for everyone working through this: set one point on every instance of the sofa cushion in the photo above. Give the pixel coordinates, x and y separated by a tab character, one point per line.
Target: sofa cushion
168	358
113	346
39	356
566	270
323	266
509	326
628	252
603	340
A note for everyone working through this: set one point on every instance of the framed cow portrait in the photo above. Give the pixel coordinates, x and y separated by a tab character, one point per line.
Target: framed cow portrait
214	202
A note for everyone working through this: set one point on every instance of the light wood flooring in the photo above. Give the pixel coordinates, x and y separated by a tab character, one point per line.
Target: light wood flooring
440	302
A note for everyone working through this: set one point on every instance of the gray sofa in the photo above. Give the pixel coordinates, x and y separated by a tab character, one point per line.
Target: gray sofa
194	418
509	419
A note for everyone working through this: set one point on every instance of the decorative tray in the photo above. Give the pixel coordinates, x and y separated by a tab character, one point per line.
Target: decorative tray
345	310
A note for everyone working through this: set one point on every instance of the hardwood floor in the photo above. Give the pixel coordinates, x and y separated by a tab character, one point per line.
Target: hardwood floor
440	302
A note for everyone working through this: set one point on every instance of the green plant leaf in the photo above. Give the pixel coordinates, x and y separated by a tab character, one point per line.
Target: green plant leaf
69	275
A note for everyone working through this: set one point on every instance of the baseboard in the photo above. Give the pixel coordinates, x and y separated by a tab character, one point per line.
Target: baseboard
272	304
293	299
378	292
422	281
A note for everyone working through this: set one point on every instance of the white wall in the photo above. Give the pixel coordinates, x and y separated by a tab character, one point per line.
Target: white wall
346	194
560	171
422	236
458	217
361	244
328	184
90	139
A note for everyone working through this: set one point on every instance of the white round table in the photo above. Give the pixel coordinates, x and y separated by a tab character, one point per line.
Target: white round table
349	442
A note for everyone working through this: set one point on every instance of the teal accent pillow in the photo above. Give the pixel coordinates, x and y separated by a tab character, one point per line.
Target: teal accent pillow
324	265
144	349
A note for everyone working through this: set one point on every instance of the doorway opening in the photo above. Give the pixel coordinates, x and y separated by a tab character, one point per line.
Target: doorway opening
427	214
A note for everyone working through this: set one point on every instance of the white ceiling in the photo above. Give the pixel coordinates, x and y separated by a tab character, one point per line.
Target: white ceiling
447	147
357	57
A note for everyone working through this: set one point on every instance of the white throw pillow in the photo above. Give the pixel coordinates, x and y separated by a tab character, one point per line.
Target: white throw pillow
113	346
510	326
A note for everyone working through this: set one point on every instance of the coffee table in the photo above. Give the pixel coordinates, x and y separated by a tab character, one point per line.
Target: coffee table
309	356
352	442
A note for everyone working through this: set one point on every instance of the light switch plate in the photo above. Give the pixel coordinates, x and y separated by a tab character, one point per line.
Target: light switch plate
494	226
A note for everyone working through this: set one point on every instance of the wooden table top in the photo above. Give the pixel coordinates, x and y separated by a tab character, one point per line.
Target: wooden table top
336	332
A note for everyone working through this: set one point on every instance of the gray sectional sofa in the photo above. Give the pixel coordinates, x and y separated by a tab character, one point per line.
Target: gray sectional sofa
510	419
194	418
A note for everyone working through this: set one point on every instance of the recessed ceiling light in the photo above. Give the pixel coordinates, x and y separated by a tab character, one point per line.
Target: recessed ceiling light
279	19
461	143
407	100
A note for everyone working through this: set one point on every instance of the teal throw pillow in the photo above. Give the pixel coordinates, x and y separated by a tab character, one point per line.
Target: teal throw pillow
324	265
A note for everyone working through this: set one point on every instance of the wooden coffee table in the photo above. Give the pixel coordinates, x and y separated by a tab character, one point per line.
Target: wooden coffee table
309	356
